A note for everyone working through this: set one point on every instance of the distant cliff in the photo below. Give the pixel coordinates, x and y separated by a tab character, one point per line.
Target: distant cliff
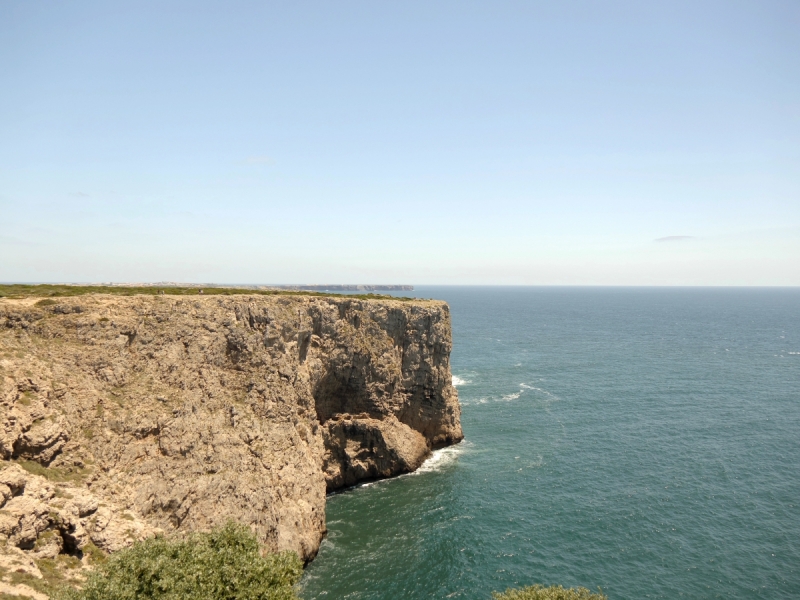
122	416
345	288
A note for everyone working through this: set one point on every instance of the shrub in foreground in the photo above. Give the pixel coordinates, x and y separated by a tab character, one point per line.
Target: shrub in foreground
555	592
224	564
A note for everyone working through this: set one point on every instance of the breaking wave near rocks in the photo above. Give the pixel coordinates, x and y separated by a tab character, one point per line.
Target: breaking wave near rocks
442	458
459	381
438	460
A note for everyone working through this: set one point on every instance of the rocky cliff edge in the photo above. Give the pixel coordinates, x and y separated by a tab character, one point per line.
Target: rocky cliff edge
124	416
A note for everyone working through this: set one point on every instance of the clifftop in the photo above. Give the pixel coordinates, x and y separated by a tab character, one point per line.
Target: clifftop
134	414
47	290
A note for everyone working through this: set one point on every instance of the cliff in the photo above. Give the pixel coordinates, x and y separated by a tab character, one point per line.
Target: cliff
124	416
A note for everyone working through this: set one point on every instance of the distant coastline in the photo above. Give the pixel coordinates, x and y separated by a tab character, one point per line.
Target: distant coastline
292	287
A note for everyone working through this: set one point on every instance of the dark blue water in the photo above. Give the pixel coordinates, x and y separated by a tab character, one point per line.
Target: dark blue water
646	441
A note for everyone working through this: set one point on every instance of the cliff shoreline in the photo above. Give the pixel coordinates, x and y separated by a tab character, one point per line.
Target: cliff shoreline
124	416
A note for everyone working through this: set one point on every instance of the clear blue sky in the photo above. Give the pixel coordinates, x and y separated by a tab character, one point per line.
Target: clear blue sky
401	142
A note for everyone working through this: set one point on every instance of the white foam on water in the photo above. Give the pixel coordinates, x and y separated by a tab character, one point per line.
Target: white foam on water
440	459
473	401
523	388
793	353
550	395
535	464
457	381
328	543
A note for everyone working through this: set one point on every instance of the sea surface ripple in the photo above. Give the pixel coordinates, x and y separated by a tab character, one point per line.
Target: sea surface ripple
645	441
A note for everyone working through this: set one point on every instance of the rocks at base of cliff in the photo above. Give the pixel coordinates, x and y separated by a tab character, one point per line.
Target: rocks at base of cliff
359	447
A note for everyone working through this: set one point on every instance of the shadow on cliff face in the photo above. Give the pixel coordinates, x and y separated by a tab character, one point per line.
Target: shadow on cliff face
343	390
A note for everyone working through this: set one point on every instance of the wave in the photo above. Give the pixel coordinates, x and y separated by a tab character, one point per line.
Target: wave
457	381
441	458
438	460
550	395
793	353
542	394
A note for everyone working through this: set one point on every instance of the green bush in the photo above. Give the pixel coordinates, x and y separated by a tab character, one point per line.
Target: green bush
555	592
224	564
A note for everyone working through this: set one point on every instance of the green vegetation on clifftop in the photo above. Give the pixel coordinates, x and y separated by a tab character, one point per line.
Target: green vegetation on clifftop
224	564
19	290
555	592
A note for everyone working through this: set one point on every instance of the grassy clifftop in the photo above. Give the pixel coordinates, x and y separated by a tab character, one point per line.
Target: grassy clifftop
57	291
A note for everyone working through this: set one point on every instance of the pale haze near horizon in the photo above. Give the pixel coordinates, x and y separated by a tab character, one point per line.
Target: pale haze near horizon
558	143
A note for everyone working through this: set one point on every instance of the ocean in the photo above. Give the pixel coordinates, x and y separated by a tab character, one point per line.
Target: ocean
645	441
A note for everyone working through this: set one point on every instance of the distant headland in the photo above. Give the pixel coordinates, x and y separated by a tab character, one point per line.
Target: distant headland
315	287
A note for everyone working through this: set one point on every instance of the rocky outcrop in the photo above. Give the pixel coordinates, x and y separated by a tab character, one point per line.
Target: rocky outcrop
49	519
360	447
122	416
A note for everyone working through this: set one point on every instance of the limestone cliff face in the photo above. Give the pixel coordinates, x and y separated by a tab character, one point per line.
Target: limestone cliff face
137	414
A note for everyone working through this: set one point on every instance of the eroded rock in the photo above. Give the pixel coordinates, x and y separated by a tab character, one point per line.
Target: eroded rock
157	413
359	448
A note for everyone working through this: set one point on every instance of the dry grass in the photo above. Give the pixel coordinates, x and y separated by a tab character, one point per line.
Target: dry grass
49	291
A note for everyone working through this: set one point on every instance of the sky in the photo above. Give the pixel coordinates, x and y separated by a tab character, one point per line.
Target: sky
435	142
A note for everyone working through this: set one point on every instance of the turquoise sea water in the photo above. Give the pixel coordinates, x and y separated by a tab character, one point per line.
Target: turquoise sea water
646	441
